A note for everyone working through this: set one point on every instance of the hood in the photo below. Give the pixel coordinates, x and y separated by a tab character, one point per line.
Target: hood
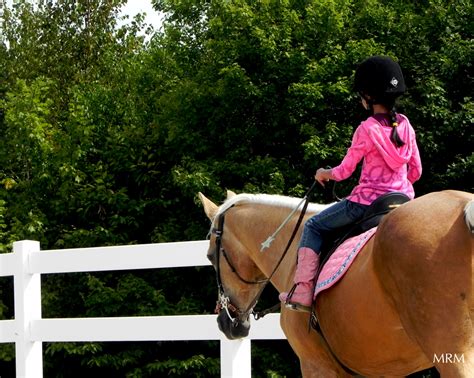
379	132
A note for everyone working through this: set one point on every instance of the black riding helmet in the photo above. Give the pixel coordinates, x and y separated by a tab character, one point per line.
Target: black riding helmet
380	78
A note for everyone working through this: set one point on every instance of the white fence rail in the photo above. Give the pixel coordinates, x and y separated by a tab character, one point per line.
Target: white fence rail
28	330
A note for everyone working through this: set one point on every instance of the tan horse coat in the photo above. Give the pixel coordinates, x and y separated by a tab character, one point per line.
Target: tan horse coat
405	304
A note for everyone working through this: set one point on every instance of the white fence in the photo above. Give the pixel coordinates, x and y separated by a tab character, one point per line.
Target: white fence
28	330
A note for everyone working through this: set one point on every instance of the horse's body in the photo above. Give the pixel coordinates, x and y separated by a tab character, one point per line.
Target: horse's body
404	305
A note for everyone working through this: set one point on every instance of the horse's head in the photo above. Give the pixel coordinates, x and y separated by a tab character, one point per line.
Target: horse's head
238	277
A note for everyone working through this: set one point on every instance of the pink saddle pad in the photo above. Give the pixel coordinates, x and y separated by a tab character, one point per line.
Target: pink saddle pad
341	260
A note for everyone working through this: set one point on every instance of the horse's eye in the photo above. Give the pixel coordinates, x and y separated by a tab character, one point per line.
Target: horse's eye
211	255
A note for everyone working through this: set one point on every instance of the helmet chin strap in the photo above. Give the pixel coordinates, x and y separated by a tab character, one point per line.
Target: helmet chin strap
370	107
370	103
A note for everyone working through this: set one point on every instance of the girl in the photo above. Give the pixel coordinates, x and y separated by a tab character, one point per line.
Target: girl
386	142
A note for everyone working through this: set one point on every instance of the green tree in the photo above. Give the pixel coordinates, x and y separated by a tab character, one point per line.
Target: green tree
109	134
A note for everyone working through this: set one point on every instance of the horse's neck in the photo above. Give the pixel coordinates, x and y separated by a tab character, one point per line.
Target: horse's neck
256	225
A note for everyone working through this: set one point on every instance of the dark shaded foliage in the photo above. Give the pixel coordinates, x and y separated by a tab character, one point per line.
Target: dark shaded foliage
108	134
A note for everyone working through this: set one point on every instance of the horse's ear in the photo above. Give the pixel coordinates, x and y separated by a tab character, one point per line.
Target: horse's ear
210	208
230	194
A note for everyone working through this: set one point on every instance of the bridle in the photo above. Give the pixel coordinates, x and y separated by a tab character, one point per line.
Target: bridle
224	301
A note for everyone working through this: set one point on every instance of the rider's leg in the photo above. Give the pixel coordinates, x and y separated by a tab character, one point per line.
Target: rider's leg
338	215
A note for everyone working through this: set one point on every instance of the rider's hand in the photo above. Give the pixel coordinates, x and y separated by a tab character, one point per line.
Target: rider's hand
323	175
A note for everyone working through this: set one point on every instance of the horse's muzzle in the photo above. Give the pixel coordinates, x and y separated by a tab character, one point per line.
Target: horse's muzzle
233	329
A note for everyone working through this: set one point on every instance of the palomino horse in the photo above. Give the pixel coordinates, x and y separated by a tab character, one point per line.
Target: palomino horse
404	305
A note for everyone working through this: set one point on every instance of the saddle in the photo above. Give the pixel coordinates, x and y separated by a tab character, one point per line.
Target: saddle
371	218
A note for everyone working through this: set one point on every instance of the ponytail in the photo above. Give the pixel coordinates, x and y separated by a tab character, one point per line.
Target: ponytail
389	102
394	137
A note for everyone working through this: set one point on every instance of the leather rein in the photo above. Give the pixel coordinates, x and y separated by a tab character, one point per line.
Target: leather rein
224	302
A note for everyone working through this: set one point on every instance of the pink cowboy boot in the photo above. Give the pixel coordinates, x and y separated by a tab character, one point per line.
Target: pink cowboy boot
300	297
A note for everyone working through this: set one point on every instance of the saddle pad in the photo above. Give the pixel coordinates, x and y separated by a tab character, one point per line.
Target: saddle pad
341	260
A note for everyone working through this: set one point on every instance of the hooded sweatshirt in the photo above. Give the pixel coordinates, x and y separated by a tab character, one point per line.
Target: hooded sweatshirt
386	167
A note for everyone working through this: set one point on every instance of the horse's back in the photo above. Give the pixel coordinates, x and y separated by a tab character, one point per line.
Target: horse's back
423	258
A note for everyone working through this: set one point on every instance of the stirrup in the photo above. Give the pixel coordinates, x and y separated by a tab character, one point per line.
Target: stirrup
294	305
298	307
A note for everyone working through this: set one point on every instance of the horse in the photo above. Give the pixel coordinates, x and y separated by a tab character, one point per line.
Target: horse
404	305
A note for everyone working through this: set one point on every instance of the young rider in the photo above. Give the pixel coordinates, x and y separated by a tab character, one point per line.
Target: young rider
386	143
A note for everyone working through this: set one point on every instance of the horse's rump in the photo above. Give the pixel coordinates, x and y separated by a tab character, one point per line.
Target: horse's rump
408	293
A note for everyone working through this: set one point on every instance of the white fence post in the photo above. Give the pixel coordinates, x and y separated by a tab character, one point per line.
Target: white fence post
29	353
236	358
28	330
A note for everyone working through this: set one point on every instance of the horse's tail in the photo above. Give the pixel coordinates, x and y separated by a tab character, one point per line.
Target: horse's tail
469	215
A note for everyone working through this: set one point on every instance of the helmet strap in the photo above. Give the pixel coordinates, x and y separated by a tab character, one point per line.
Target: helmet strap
370	102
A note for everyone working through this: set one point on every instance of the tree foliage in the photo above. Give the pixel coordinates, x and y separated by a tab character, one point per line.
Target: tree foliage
110	131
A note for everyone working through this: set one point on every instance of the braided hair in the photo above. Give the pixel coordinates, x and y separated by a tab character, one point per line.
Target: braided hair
389	103
394	136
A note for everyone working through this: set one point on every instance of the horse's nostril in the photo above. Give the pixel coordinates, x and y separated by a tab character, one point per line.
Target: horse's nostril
232	329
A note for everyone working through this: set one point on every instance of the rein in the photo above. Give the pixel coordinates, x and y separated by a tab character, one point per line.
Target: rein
224	302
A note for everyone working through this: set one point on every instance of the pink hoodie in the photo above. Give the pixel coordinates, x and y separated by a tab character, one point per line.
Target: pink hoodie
386	168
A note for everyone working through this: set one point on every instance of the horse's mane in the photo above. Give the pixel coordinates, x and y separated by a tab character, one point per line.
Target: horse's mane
267	199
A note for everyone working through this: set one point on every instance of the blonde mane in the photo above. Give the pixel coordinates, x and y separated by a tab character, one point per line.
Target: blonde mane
267	199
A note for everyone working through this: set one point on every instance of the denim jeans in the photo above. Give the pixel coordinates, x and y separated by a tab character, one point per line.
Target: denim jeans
340	214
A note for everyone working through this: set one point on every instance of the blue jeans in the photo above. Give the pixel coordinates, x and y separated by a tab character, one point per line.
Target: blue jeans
340	214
